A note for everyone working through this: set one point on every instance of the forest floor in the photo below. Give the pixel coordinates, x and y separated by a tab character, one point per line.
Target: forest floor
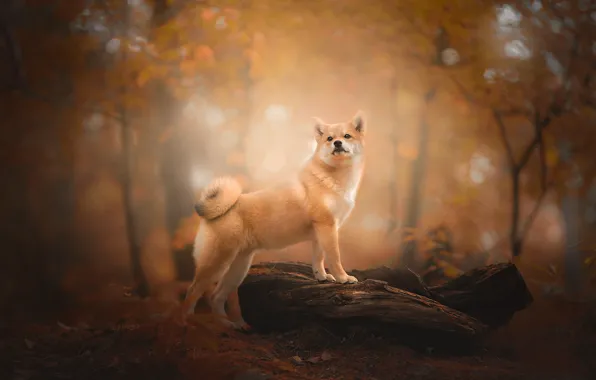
127	339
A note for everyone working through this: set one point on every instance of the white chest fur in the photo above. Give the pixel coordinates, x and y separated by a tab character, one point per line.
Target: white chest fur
343	199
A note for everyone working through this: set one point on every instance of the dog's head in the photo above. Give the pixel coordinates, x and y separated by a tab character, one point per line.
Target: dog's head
341	143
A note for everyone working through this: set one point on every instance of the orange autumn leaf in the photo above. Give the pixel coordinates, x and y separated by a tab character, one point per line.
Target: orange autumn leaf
144	77
207	14
204	53
188	67
552	157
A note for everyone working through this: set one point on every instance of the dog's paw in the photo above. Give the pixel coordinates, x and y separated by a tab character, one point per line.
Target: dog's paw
327	277
242	326
347	279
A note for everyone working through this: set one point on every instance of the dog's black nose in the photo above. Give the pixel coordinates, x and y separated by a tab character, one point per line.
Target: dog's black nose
337	143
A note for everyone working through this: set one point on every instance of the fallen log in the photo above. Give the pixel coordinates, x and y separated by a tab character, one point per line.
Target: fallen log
279	296
491	294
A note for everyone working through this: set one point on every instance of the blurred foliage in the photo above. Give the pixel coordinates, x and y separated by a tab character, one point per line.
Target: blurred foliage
80	58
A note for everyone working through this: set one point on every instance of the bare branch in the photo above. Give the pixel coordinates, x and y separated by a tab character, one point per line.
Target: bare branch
504	139
512	111
542	153
528	152
464	92
532	216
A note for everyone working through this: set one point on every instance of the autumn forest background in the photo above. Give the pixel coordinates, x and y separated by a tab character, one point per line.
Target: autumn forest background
115	114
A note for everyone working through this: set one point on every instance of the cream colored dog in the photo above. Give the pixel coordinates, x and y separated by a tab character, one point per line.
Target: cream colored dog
312	207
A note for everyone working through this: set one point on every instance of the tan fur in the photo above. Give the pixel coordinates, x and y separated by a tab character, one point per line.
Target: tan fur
218	197
311	207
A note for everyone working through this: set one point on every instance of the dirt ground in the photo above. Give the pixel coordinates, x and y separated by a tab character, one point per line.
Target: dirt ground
127	339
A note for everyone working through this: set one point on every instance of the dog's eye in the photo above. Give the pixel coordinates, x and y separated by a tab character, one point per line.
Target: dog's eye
346	136
329	138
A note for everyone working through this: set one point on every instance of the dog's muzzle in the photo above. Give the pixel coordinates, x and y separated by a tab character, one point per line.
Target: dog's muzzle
338	150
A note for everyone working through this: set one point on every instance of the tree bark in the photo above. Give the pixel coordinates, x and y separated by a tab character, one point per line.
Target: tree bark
395	302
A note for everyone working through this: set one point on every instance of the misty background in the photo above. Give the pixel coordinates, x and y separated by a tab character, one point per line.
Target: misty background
117	114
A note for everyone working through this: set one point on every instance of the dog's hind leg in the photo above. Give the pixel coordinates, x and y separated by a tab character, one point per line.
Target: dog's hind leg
227	288
201	283
210	267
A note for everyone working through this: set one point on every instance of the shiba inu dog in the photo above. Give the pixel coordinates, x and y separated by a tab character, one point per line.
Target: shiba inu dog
311	207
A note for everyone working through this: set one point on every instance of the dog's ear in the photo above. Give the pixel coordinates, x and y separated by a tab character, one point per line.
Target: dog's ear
358	122
319	127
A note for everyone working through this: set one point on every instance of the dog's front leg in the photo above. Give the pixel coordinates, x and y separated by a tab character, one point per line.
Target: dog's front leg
318	263
327	238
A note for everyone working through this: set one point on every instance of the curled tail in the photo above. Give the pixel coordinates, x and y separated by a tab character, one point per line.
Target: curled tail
218	197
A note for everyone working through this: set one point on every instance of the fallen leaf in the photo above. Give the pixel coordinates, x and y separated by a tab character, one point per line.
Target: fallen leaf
325	356
552	269
64	327
285	366
297	360
29	344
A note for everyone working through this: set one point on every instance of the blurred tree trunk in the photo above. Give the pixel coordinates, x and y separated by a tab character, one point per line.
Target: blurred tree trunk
128	202
143	192
154	220
570	205
127	171
409	246
393	195
154	234
519	229
176	171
